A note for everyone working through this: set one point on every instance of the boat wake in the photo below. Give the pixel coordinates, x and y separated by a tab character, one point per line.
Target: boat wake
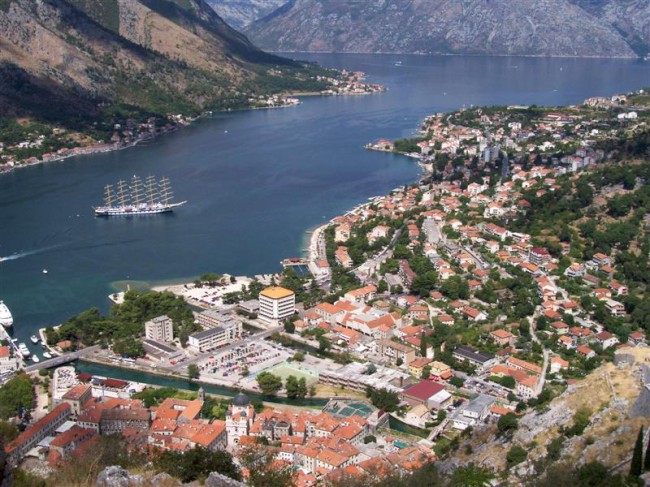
20	255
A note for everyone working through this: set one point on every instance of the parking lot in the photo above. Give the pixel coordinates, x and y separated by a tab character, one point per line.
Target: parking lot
256	356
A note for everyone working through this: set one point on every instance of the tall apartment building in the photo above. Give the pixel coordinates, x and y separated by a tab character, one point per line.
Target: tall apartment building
276	304
160	329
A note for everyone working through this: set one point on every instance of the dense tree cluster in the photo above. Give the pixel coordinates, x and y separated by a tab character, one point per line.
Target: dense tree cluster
17	397
126	321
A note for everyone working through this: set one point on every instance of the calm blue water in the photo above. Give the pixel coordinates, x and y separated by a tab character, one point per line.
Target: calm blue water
255	180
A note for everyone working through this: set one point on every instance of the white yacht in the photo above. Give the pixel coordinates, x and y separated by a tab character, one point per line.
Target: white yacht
47	355
34	339
6	319
35	359
24	351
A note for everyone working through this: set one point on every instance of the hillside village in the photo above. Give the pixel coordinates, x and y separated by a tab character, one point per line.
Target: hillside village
490	289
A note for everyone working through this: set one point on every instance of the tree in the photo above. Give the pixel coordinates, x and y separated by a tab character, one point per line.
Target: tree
515	456
298	356
263	470
196	464
399	361
383	399
302	388
370	439
636	466
312	390
507	423
268	383
323	344
193	371
16	397
289	327
426	372
470	476
456	381
296	388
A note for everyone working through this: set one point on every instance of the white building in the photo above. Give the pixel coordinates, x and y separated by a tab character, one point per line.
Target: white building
276	304
160	329
216	337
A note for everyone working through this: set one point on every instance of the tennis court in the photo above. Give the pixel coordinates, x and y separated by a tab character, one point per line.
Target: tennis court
346	409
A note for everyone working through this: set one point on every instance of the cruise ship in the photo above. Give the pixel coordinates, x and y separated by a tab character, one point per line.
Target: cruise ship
6	319
138	198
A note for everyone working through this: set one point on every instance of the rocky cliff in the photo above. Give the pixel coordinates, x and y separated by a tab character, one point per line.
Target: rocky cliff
73	60
607	28
241	13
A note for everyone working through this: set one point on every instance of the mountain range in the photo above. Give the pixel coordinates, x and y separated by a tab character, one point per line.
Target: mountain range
580	28
241	13
76	61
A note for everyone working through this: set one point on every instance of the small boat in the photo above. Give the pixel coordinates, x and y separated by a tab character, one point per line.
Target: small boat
34	339
398	63
44	271
35	359
47	355
24	351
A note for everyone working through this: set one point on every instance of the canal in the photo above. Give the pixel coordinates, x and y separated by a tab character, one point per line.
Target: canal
134	375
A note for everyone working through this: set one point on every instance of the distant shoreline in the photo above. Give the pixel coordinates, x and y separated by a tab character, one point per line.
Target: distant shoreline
461	54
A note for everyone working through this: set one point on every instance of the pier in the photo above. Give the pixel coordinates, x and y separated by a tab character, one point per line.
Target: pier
295	262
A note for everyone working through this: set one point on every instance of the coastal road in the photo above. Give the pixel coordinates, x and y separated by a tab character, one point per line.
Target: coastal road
257	336
62	359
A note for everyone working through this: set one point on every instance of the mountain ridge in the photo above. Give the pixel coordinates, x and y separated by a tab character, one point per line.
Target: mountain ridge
575	28
72	61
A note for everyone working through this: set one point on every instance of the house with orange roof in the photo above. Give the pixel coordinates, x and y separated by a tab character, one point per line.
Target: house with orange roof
473	314
560	327
606	339
519	364
77	397
416	367
558	364
361	295
566	342
8	362
342	257
636	338
527	388
342	233
395	351
418	312
68	441
585	352
502	337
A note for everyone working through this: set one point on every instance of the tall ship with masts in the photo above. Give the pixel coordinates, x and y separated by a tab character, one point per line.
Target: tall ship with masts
148	197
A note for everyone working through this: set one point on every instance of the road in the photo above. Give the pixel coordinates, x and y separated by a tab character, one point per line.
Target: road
62	359
178	367
533	334
376	260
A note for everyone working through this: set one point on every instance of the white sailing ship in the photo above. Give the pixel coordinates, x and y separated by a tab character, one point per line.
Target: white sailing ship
138	198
